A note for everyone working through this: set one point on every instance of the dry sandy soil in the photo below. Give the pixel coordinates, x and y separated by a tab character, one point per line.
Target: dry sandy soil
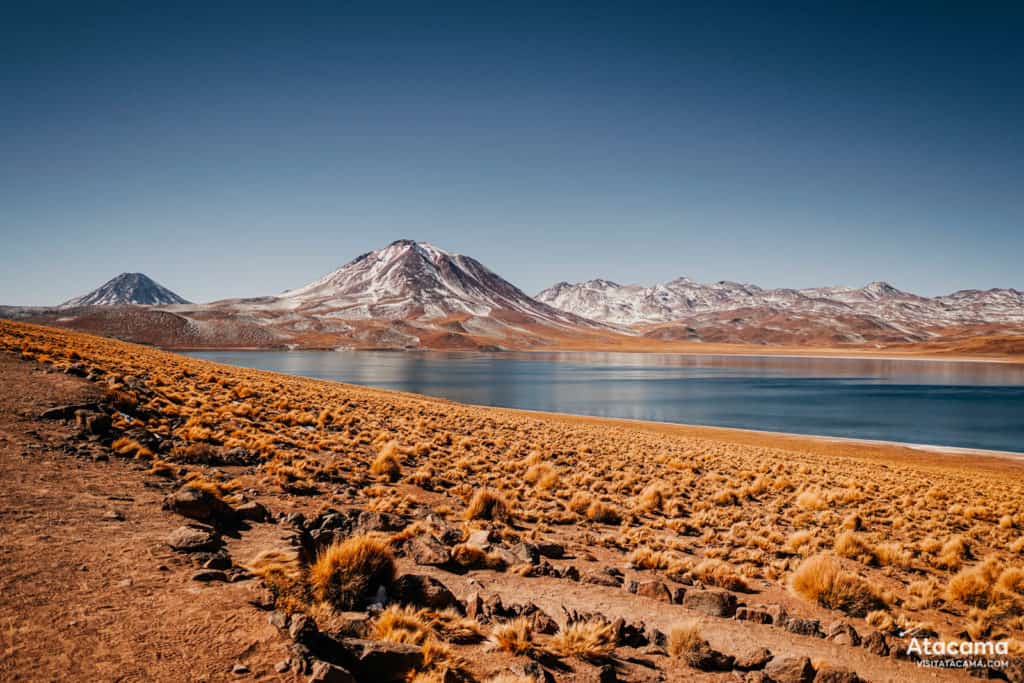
571	548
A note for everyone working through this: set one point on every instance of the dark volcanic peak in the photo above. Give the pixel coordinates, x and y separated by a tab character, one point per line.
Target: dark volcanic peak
127	288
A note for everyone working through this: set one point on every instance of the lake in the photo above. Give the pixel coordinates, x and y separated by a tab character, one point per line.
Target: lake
969	405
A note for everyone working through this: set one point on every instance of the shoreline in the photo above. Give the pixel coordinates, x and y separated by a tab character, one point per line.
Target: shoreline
749	435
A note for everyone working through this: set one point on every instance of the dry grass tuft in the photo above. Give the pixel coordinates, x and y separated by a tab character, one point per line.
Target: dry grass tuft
591	640
387	465
489	504
686	643
514	637
345	573
821	579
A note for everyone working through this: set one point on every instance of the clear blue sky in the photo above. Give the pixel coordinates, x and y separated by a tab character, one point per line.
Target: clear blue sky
246	149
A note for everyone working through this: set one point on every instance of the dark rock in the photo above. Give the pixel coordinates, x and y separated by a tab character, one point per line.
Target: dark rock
607	674
609	576
571	573
193	539
754	659
114	515
239	669
778	614
876	643
755	615
207	575
830	674
302	629
713	660
630	634
383	661
350	625
805	627
424	591
90	422
711	602
252	512
67	412
474	606
370	520
790	670
196	503
325	672
554	551
220	560
842	633
427	550
678	595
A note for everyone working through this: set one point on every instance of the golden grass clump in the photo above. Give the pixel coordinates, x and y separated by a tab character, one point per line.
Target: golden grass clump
514	637
686	643
602	512
387	465
489	504
722	574
589	640
345	573
821	579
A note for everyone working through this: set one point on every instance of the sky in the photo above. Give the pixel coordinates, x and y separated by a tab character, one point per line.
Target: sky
243	149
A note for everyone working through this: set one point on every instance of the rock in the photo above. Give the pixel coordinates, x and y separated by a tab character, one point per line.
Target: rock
607	674
474	606
252	512
197	503
711	602
383	661
239	669
778	614
349	625
678	595
92	423
843	634
369	520
480	538
283	666
754	659
805	627
876	643
830	674
655	590
220	560
114	515
790	670
208	575
325	672
554	551
279	620
630	634
302	629
193	539
713	660
427	550
525	553
755	615
67	412
424	591
607	576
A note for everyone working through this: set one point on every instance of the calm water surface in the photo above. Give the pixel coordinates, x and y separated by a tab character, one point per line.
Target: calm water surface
972	405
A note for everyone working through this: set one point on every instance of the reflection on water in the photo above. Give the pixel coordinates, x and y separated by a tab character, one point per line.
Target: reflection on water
974	405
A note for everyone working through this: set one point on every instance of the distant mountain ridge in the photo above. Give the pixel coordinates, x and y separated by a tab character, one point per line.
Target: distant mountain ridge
682	299
127	288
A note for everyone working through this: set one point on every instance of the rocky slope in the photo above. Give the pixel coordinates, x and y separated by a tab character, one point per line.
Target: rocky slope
127	288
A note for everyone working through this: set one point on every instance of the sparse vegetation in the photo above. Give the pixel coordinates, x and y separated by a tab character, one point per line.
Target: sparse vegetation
346	573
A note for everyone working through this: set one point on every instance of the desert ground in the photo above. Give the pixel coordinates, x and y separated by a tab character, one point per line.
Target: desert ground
170	519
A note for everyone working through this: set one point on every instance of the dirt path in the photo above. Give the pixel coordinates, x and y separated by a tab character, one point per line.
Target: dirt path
85	596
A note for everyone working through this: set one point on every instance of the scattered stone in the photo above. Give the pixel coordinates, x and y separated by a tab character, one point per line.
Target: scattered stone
630	634
805	627
554	551
755	615
196	503
480	538
790	670
424	591
370	520
207	575
89	422
608	576
754	659
302	629
252	512
325	672
842	633
67	412
713	660
711	602
427	550
279	620
653	589
778	614
607	674
525	553
831	674
114	515
220	560
239	669
378	660
193	539
349	625
474	606
283	666
876	643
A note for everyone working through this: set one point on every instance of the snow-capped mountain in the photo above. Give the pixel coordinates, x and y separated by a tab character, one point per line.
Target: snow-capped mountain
683	299
409	280
127	288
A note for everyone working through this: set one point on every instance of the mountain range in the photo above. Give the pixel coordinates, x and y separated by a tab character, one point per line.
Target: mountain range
415	295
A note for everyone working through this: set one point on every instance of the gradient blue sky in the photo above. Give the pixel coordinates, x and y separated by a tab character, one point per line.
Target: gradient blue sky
249	148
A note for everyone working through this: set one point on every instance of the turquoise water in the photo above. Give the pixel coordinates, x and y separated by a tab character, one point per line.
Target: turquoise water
970	405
